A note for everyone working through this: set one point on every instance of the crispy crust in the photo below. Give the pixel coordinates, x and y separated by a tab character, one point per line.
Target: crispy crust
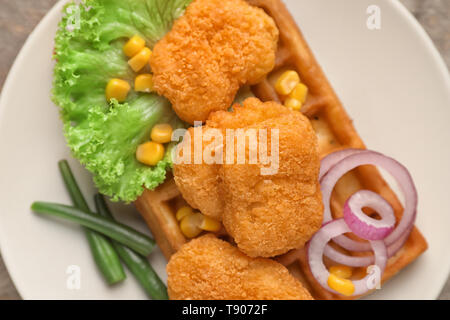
208	268
335	131
267	215
213	49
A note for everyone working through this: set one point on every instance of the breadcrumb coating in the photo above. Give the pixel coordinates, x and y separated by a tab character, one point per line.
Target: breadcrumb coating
267	215
211	269
213	49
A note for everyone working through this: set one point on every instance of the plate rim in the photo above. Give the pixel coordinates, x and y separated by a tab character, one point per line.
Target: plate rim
445	73
57	7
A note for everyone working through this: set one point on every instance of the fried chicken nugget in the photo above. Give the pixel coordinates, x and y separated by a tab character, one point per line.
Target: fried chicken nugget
213	49
267	215
211	269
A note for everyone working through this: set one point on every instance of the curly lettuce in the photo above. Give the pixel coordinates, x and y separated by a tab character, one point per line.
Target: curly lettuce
88	52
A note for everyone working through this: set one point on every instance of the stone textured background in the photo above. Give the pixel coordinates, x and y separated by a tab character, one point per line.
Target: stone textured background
19	17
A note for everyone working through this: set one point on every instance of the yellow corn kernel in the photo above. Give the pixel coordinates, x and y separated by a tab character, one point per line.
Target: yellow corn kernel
140	59
341	271
133	46
183	212
150	153
293	104
341	285
210	224
300	92
143	83
162	133
287	82
189	225
117	89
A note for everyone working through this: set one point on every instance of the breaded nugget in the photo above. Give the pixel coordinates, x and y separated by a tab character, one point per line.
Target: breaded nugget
213	49
211	269
267	215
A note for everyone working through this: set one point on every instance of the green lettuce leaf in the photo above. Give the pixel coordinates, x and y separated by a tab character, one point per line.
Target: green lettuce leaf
88	52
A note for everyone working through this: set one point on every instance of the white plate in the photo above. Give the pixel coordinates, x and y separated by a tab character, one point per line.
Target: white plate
392	82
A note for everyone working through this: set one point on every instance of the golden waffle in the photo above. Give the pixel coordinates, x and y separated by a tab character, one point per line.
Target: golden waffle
335	131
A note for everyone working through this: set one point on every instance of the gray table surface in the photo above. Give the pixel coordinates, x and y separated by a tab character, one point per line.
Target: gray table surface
19	17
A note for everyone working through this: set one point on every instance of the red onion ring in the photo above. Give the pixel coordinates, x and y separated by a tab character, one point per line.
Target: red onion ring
341	258
354	261
348	160
361	224
330	160
318	244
